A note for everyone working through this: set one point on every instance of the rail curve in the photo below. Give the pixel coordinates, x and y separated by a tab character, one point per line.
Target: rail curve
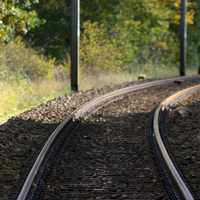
166	105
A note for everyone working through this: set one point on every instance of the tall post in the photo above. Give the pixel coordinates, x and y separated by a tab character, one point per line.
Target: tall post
183	37
75	43
198	51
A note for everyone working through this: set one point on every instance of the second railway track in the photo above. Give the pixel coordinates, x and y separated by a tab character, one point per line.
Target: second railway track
178	126
108	155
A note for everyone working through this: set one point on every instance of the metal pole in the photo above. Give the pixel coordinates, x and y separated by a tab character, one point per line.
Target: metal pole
75	43
183	37
198	51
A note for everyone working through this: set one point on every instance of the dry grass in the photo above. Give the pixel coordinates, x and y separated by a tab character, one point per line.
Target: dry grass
15	99
99	79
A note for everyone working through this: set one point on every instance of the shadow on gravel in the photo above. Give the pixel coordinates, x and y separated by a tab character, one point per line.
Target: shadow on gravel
20	142
106	158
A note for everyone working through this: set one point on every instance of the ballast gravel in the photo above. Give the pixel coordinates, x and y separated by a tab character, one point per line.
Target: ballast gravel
22	137
108	156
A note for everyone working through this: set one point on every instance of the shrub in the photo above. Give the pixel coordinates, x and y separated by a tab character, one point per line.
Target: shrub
18	60
98	51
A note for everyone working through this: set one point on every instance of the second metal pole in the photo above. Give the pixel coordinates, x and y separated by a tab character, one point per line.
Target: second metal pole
183	38
75	43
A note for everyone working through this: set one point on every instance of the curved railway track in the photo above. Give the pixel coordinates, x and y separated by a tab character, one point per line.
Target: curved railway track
33	183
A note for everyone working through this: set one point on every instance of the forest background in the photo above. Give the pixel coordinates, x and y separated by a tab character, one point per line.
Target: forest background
119	41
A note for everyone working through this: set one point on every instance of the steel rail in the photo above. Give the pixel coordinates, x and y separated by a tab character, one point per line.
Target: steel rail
172	101
85	111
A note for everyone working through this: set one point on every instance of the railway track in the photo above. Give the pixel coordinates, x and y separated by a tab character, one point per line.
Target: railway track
160	138
37	181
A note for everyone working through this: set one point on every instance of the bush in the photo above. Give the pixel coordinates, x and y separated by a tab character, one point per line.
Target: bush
126	47
143	32
27	79
19	61
98	51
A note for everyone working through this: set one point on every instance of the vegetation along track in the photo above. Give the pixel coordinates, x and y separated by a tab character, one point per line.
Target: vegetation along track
107	156
176	121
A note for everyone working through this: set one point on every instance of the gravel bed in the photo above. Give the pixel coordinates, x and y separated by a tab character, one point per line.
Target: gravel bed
108	155
22	137
183	134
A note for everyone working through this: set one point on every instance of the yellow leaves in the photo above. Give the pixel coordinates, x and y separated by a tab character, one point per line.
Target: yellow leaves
190	17
176	19
2	33
175	5
161	45
15	19
95	45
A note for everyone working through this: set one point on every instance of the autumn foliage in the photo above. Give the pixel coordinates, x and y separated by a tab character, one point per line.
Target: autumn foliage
115	34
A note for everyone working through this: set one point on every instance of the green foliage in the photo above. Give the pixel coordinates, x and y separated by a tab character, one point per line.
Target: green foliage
144	31
138	27
52	37
17	18
56	31
101	11
27	79
22	95
17	60
98	51
193	38
140	35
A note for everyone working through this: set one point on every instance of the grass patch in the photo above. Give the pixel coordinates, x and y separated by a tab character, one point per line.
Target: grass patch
16	98
99	79
19	96
27	79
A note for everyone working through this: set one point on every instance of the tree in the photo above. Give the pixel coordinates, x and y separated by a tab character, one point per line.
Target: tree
17	18
143	27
